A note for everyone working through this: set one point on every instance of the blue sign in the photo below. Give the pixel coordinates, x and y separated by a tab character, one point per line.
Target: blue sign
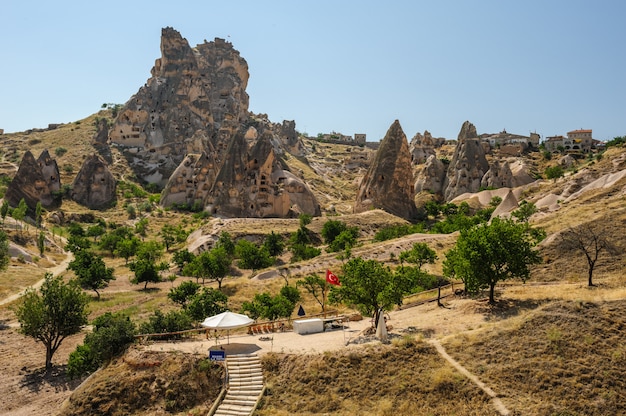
217	355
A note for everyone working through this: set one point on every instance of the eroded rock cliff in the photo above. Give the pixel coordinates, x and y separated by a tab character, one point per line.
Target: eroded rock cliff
35	181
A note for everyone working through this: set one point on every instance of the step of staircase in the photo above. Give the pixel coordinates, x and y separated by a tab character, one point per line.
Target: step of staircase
245	385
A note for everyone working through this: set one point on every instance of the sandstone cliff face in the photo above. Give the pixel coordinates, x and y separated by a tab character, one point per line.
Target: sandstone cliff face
468	164
432	177
191	182
255	184
499	175
35	181
421	147
466	170
388	183
94	186
193	92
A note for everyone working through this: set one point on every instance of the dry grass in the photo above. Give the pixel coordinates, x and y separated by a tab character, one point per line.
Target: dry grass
566	357
149	383
406	379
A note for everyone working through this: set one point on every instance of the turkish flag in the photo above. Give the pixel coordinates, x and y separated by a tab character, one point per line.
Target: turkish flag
332	278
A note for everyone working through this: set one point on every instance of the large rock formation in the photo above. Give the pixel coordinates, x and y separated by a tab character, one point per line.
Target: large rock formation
193	92
247	184
258	185
388	183
191	182
468	164
35	181
432	177
421	147
94	186
499	175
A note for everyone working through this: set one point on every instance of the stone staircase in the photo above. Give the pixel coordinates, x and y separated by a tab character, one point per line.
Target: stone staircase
245	385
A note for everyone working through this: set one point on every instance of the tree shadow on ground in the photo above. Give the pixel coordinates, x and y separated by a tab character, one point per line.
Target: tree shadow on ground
42	380
507	308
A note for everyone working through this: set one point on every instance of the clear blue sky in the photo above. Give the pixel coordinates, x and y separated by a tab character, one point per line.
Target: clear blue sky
548	66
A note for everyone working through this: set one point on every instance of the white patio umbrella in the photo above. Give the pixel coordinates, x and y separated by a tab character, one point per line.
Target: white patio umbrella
227	320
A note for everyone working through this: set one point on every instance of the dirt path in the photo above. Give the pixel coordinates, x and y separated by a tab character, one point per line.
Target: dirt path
56	270
497	403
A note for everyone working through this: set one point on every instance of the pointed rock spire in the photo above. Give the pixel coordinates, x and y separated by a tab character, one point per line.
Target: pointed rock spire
388	183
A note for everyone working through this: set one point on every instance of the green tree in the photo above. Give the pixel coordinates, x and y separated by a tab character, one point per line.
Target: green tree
345	240
525	211
213	265
173	321
168	235
146	271
5	258
331	229
4	210
77	243
316	287
489	253
57	311
111	335
95	231
91	272
76	229
19	213
127	248
266	306
183	292
141	227
303	252
207	302
274	244
291	293
182	257
41	243
38	214
225	240
370	287
251	256
419	254
554	172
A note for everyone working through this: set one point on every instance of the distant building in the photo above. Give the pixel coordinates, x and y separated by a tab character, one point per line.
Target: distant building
360	138
504	138
580	140
553	143
576	141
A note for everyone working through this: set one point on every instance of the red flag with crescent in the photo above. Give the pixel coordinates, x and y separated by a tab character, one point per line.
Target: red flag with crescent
332	278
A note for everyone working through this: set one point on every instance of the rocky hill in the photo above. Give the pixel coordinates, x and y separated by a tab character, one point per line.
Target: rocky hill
189	134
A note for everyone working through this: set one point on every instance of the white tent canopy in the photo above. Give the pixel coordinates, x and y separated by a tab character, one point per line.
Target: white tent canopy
227	320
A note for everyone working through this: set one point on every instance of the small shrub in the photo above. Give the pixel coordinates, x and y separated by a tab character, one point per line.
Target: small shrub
60	151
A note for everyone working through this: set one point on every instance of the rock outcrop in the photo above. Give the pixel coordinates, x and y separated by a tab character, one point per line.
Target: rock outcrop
388	183
468	131
258	185
421	148
35	181
191	182
250	183
432	177
94	186
468	164
193	92
499	175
